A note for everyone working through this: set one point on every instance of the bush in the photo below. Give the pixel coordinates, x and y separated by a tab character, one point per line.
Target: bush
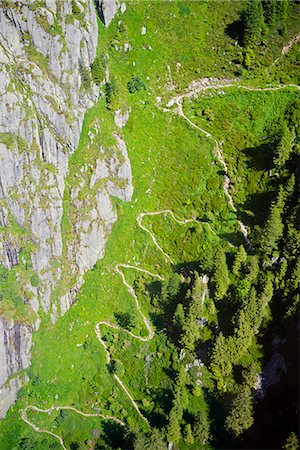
111	95
85	77
136	84
98	72
34	280
75	8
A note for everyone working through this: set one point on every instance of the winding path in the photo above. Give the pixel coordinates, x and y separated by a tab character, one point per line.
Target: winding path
118	270
181	222
194	90
287	48
58	408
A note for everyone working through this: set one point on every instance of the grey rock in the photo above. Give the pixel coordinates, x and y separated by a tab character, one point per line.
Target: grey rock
38	89
107	10
3	217
15	344
8	394
37	130
100	172
123	192
12	255
121	117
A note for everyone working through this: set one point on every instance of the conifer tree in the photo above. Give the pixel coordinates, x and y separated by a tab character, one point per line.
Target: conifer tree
253	23
191	329
150	441
189	439
240	259
201	428
221	363
240	417
273	227
179	317
292	442
221	276
284	147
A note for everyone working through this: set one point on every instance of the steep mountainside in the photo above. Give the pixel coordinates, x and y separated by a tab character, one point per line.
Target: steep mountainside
149	204
46	51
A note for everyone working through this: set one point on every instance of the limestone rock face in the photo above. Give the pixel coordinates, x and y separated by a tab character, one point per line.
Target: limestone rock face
107	10
46	53
15	343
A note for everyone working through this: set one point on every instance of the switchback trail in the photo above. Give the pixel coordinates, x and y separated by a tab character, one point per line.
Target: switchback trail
169	212
287	48
197	88
58	408
194	89
103	323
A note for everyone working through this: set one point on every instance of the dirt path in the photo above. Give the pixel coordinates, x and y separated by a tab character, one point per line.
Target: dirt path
118	269
181	222
58	408
287	48
194	89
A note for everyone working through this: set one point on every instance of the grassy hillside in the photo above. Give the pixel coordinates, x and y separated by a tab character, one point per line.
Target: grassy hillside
175	167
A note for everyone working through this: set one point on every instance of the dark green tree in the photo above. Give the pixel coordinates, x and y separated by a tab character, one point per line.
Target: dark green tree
221	362
179	317
188	435
201	428
292	442
221	276
273	228
240	417
135	84
252	268
284	147
98	70
191	329
240	259
154	440
253	20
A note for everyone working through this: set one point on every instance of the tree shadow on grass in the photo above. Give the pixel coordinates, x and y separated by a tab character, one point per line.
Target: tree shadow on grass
260	157
235	30
256	208
116	436
163	399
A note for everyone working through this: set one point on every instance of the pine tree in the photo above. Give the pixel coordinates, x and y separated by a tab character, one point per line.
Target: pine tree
292	442
273	227
191	330
284	147
188	438
243	336
253	268
221	276
240	259
240	417
221	362
250	308
174	430
253	20
179	317
150	441
201	428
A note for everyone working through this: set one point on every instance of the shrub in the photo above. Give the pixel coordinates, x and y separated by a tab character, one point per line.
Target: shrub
136	84
34	280
98	72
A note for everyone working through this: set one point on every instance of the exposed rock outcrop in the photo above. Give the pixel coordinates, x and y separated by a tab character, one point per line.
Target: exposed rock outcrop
107	10
45	89
15	344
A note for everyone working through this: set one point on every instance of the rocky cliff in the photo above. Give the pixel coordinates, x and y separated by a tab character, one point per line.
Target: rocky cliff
46	52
